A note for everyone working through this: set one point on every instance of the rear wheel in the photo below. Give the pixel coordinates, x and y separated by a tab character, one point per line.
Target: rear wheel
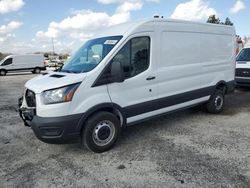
101	132
37	70
216	103
3	72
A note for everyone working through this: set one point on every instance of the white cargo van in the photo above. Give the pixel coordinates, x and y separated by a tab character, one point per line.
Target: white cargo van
18	63
128	74
242	75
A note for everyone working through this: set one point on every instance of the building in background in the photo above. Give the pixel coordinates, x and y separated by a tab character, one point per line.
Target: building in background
239	44
247	42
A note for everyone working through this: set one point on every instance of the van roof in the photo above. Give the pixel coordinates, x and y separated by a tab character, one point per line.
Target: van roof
14	55
126	28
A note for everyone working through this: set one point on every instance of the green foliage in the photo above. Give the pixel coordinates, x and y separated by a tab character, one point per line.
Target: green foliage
2	55
228	22
213	19
64	56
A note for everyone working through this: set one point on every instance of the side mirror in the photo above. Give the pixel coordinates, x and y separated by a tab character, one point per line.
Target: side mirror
117	74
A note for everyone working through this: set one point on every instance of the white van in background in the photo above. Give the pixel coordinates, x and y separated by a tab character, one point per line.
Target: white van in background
242	74
128	74
18	63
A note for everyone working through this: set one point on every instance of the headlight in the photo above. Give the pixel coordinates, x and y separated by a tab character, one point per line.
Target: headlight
59	95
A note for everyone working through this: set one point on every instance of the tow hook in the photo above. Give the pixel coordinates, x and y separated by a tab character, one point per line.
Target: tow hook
27	115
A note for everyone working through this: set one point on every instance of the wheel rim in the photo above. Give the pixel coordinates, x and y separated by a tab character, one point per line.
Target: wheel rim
37	71
218	102
2	73
103	133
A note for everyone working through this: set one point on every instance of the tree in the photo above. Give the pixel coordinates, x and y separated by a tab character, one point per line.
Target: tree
64	56
228	22
213	19
46	54
2	55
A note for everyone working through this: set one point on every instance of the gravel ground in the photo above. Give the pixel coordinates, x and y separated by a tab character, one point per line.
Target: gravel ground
185	149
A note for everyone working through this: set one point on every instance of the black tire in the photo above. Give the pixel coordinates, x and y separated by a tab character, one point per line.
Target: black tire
37	70
216	103
3	72
101	132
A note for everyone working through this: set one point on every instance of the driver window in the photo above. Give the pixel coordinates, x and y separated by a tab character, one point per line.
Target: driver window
134	56
123	56
7	61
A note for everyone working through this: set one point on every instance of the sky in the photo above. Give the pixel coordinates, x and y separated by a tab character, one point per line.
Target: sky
28	26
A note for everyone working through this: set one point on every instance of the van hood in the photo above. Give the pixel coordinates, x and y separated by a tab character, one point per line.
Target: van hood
243	64
53	80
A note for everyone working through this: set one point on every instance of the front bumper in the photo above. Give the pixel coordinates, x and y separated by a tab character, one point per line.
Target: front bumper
241	81
62	129
56	129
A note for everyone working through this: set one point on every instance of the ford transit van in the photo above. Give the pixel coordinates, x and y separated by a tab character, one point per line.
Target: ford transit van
128	74
19	63
242	76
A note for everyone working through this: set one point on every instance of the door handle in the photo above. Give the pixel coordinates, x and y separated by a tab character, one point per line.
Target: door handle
150	78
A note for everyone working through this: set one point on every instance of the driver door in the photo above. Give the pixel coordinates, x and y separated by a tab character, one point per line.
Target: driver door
140	85
8	64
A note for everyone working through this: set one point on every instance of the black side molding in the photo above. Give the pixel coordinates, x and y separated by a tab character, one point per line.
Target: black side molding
157	104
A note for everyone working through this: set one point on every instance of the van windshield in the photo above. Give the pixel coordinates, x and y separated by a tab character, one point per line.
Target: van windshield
244	55
90	54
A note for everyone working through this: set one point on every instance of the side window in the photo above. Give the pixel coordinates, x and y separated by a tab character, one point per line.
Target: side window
134	56
140	55
123	56
7	62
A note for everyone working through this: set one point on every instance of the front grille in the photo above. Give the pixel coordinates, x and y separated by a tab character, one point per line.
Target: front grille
242	72
30	98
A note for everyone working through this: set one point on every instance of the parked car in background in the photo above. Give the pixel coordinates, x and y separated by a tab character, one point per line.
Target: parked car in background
54	63
17	63
128	74
242	73
61	63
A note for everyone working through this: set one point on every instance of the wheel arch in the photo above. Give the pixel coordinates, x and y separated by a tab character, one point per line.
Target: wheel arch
108	107
37	67
222	85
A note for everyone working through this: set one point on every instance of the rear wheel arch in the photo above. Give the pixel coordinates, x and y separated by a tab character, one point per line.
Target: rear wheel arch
222	86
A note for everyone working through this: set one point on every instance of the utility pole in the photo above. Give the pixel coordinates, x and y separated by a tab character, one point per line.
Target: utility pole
53	46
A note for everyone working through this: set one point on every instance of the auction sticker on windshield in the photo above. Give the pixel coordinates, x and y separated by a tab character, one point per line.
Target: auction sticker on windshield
111	42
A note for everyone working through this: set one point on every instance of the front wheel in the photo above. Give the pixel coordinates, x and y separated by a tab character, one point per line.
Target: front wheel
216	103
3	72
101	132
